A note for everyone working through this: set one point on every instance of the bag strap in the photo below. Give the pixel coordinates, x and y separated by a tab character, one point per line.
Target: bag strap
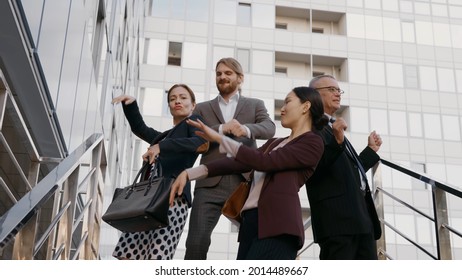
143	168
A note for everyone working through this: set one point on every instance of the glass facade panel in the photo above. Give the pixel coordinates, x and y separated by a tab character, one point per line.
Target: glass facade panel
446	80
374	29
427	78
357	71
406	6
439	10
411	77
243	56
390	5
220	52
198	10
451	128
244	14
408	31
415	125
157	52
153	102
456	36
262	62
355	25
424	32
160	8
379	121
263	16
33	11
442	34
455	12
422	8
394	75
359	120
398	123
355	3
372	4
391	29
459	80
376	73
194	55
225	11
177	9
432	126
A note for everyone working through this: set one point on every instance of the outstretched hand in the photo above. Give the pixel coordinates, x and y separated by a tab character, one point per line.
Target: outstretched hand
126	99
205	132
178	186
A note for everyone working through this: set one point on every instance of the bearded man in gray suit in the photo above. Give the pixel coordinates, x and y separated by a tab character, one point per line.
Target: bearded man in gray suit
242	118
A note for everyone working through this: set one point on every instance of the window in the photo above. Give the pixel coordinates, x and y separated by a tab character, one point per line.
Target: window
318	73
410	76
280	70
408	32
281	25
174	53
243	56
244	14
277	109
317	30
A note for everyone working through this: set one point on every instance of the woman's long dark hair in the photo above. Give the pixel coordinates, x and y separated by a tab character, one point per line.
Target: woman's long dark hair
319	120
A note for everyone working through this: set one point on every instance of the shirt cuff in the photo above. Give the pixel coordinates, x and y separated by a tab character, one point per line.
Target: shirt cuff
229	146
197	173
249	134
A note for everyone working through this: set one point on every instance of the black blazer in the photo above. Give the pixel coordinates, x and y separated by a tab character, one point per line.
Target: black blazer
338	206
179	146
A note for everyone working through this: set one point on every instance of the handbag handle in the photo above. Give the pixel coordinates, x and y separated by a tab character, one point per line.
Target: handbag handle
143	168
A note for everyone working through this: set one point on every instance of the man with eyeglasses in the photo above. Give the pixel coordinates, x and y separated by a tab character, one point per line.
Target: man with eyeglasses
344	219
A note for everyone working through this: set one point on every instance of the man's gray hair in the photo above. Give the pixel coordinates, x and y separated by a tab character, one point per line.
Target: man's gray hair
317	78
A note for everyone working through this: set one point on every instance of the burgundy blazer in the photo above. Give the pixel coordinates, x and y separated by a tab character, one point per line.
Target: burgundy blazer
287	169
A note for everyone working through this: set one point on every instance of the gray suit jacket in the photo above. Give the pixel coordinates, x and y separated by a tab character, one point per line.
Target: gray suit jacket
250	112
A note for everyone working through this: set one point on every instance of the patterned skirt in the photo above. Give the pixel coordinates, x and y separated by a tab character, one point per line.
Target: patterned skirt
158	244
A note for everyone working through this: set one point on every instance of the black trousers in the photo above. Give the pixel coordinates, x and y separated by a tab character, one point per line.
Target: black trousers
281	247
348	247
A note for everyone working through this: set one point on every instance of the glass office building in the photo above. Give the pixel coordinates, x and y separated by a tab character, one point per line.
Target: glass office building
398	61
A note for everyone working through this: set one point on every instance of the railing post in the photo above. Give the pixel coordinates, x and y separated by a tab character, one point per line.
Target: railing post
378	201
443	239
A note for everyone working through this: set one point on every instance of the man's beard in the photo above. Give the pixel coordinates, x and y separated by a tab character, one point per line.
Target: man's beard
227	87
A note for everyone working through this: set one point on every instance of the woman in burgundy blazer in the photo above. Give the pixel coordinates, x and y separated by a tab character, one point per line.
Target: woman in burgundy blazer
272	225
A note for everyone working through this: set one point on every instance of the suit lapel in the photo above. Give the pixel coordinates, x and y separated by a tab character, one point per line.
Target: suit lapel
216	109
240	105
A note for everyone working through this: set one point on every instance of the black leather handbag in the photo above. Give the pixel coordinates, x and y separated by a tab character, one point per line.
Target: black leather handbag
141	206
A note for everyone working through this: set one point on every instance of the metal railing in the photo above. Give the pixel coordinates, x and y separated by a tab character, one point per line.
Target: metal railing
438	216
441	247
60	217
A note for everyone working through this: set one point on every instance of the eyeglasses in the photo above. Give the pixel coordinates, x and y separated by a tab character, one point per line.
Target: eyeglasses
333	90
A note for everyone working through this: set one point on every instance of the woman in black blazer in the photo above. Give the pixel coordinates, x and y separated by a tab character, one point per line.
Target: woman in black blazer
177	149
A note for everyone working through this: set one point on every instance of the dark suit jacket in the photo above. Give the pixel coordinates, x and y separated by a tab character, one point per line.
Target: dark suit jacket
287	169
337	204
250	112
179	146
